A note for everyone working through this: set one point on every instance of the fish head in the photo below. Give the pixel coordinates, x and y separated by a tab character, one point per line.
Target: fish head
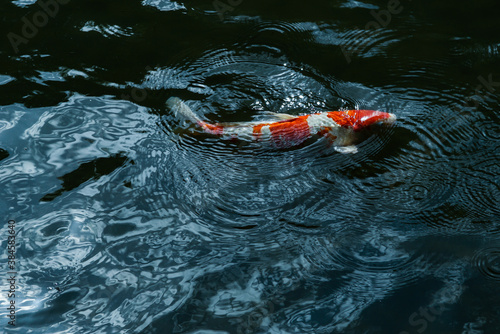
360	119
364	118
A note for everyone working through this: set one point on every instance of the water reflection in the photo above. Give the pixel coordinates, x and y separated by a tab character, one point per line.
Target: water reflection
129	223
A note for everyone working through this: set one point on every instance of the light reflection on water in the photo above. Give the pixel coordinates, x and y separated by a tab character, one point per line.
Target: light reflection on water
126	223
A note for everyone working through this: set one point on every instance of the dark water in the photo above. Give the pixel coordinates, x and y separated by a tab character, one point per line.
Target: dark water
124	225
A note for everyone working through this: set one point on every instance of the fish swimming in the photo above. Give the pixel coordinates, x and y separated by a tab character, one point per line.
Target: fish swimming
285	131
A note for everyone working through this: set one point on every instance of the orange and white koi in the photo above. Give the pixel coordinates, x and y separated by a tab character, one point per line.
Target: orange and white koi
285	131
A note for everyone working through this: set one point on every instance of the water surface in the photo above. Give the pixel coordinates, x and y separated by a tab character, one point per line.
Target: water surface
126	224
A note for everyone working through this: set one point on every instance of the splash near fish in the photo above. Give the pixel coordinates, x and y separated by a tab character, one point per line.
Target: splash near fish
285	131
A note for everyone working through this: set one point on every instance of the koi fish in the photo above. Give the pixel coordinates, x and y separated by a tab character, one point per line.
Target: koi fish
285	131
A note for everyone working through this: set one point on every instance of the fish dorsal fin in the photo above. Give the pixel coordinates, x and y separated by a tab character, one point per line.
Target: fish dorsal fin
269	116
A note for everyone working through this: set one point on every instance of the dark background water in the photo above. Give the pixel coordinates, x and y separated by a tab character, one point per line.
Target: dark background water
125	225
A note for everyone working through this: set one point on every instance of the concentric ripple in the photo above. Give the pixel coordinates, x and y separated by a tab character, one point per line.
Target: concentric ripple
487	261
244	185
365	43
130	220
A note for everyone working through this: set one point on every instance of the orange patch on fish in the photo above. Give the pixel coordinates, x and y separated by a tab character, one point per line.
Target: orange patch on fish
212	128
325	132
257	130
357	119
288	133
343	118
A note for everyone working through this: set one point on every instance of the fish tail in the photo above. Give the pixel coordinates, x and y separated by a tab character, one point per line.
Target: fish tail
182	110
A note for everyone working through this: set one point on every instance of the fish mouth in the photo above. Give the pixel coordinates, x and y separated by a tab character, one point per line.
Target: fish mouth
375	120
391	119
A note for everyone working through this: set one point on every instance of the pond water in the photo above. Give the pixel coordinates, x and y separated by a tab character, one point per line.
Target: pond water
126	223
